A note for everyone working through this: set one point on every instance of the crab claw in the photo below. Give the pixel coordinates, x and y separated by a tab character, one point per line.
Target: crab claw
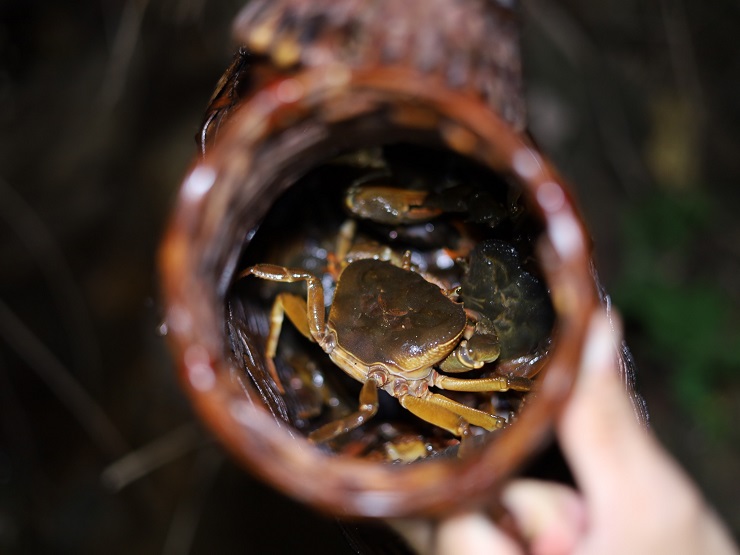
389	205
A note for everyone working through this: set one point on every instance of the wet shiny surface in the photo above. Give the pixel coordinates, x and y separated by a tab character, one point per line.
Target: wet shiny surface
384	314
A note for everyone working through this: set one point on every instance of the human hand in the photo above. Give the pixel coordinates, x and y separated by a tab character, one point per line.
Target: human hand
632	497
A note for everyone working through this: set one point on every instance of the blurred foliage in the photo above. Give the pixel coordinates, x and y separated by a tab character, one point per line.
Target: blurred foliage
685	318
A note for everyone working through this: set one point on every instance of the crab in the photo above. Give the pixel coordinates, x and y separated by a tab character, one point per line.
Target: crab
391	327
508	302
373	198
388	328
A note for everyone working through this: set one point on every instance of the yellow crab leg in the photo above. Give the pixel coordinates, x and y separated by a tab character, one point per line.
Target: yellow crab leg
498	383
440	416
473	416
295	308
450	415
315	292
306	316
368	408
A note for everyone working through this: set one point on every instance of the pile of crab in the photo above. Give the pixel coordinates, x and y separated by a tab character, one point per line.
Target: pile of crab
417	317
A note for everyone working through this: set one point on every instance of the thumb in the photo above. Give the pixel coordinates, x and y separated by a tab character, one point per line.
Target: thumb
598	430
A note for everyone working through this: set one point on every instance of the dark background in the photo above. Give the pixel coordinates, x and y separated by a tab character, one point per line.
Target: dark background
99	103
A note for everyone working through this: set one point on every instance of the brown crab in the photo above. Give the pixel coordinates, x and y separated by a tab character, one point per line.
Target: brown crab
388	327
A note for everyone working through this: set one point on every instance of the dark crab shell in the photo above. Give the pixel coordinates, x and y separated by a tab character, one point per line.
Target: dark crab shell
288	114
385	316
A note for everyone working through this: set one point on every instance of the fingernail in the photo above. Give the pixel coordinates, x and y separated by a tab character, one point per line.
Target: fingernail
600	349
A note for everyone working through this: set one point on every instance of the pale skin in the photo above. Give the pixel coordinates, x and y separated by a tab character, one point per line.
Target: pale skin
632	497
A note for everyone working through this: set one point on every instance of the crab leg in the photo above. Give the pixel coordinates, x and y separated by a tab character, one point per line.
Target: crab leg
346	237
314	316
306	316
473	416
498	383
368	409
295	308
448	414
439	416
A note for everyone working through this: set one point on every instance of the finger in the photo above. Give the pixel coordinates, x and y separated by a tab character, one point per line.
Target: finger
550	517
637	497
612	456
473	534
598	430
